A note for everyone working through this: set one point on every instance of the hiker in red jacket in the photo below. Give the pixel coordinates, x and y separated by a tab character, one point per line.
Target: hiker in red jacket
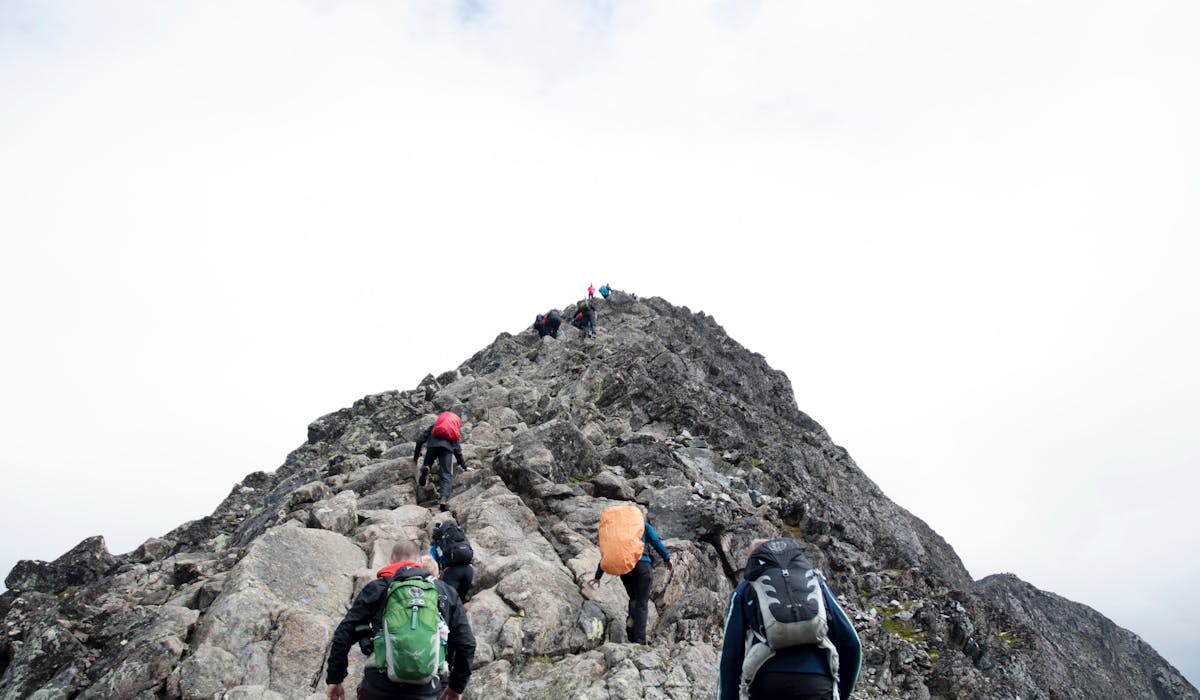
443	438
363	620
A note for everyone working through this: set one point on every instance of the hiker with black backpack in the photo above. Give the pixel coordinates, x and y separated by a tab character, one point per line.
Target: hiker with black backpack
443	440
586	317
551	323
626	539
452	551
413	624
785	634
547	324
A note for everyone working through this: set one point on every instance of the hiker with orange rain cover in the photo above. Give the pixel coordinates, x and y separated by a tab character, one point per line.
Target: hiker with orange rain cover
625	542
443	439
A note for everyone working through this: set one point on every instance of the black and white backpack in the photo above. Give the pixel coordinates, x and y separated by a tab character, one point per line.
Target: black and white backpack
786	593
452	543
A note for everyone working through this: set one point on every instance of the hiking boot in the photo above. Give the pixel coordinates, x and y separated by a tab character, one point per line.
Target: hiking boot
443	506
424	477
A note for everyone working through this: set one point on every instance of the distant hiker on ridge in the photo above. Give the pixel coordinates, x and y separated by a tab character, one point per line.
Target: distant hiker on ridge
625	542
585	319
551	323
591	291
785	635
443	438
547	324
406	640
605	290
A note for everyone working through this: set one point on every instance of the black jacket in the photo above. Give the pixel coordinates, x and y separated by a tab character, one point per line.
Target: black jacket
427	436
367	609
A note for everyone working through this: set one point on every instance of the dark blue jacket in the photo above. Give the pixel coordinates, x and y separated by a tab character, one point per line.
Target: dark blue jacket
802	659
649	538
427	436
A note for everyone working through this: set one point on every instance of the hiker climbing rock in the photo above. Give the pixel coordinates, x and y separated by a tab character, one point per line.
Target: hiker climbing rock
547	324
443	439
605	290
625	542
802	644
409	641
585	319
452	551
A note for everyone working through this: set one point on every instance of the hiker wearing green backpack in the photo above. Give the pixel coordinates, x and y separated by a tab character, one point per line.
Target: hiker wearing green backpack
785	634
416	624
625	542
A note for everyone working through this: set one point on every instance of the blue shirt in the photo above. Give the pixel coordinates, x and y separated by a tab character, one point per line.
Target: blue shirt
649	538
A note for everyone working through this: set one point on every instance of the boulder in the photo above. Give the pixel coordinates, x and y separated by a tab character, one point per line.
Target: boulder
84	563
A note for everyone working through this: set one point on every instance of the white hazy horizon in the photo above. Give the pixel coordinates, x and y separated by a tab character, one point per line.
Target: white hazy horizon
967	235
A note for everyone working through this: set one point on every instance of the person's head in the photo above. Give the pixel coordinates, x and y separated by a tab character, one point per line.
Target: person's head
405	550
755	544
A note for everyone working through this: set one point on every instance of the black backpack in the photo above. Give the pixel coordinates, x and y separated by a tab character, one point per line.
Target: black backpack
786	590
452	543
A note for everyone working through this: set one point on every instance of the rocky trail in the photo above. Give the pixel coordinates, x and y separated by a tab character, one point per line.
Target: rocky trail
661	408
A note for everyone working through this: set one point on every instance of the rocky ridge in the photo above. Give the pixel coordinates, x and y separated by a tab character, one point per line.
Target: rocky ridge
661	408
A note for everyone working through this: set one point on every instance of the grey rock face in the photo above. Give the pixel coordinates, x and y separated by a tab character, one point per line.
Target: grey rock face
86	562
661	408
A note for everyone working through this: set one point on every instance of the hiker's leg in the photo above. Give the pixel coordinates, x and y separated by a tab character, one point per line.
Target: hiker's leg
638	584
460	578
446	460
430	454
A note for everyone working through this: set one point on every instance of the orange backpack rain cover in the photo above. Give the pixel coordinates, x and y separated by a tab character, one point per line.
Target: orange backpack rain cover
446	426
621	546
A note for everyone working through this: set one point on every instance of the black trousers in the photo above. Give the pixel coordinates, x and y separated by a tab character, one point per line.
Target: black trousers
460	578
445	459
638	584
376	686
791	686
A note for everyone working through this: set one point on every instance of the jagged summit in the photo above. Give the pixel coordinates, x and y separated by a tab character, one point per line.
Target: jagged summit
662	408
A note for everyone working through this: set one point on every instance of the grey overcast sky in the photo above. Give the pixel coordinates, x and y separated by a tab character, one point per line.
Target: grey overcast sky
966	231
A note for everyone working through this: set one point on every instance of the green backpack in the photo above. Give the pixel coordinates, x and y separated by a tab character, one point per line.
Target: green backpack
411	638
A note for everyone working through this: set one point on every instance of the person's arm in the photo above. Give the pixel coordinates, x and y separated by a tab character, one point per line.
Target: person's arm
421	440
361	612
733	650
845	639
598	576
435	553
458	456
656	542
461	640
